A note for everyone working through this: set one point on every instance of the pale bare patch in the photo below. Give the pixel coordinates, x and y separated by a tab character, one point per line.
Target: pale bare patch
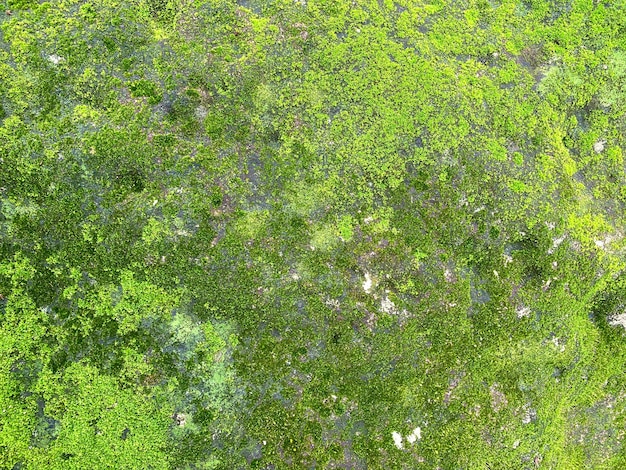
618	320
556	242
397	439
546	284
529	414
387	306
367	283
55	59
558	344
598	147
201	112
333	303
605	243
498	399
453	384
416	435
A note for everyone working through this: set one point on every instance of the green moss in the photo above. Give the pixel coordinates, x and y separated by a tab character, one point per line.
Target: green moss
145	88
273	234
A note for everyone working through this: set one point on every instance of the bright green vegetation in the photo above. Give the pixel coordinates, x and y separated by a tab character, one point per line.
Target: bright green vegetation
270	234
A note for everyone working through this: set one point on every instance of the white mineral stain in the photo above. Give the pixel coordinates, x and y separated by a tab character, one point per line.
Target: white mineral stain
598	147
416	435
522	312
367	284
397	439
606	241
530	414
55	59
557	344
618	320
556	242
387	306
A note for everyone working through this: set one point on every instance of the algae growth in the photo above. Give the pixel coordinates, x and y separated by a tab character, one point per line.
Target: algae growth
312	234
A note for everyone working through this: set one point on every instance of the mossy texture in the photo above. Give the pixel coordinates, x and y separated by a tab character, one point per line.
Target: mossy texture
312	234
